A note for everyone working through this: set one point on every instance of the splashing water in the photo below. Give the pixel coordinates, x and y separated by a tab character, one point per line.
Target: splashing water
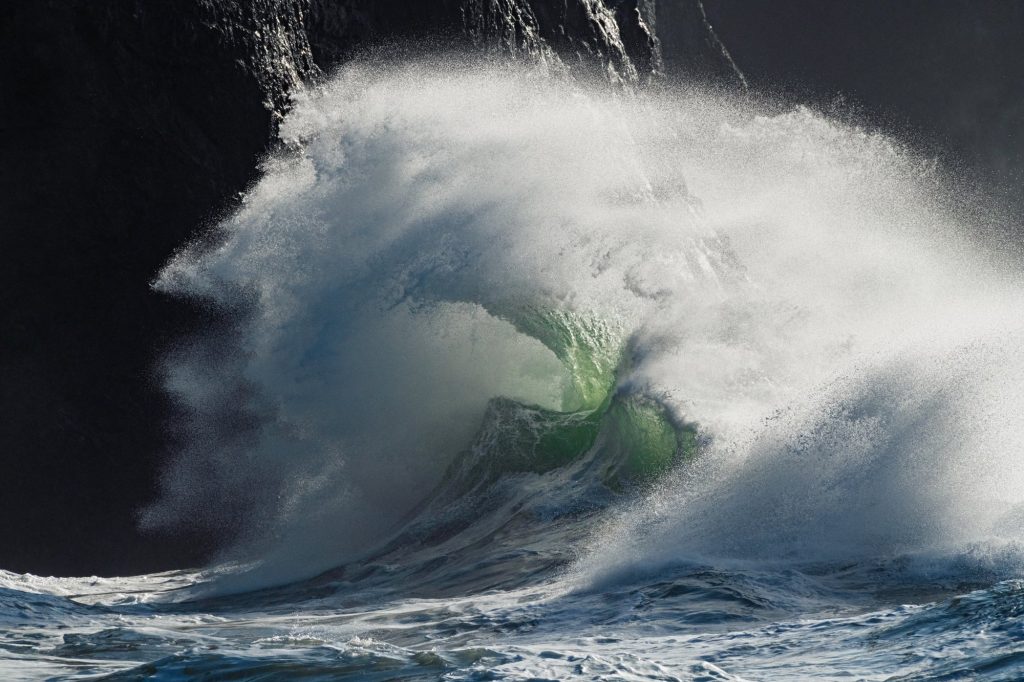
437	239
521	379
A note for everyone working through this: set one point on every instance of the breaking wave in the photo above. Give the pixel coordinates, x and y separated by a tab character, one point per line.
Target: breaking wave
757	336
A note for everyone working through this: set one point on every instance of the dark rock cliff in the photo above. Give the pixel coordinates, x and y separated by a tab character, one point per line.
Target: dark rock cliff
123	125
615	38
126	125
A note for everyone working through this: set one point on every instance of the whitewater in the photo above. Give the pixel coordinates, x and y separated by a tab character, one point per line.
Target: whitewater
515	377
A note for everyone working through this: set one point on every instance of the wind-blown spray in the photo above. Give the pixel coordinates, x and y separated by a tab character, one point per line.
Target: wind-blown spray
439	238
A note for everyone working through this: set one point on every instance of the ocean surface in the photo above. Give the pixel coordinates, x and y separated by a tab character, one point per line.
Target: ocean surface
527	379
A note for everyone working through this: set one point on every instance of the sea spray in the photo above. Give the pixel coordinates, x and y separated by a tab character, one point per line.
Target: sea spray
444	237
552	382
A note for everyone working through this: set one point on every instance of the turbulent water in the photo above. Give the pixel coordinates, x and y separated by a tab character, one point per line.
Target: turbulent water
525	379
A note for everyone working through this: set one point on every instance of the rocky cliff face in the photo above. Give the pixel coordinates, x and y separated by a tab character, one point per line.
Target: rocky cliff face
615	38
126	125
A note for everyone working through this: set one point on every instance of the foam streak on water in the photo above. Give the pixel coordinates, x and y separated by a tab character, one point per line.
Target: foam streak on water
530	380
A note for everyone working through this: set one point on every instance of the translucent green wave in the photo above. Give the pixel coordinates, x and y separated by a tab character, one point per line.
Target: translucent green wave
633	436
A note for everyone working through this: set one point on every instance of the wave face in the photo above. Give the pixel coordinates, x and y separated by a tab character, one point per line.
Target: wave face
526	380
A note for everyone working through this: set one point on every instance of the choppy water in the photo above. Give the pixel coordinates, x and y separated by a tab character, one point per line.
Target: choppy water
528	380
689	623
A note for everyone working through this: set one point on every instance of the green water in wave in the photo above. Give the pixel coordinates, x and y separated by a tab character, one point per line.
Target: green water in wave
634	436
589	348
640	429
